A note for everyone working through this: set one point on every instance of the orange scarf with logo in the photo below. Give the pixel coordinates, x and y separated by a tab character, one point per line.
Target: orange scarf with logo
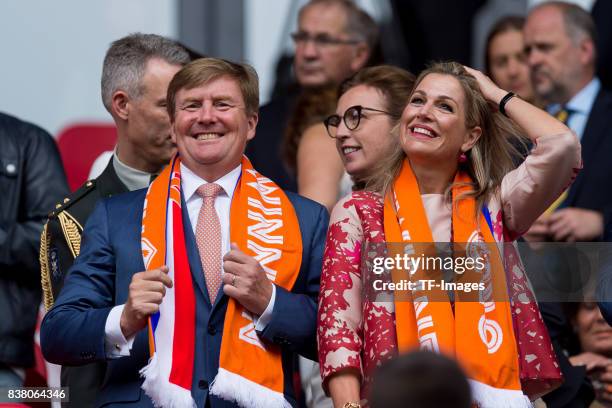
264	225
478	333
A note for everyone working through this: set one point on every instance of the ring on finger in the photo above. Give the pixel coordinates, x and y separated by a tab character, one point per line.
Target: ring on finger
234	280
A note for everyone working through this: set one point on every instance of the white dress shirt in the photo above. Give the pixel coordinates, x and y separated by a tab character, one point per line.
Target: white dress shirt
116	344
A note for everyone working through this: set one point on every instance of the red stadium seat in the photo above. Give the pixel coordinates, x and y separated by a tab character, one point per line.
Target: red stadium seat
80	145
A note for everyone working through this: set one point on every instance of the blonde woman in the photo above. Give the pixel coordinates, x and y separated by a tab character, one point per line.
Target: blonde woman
451	180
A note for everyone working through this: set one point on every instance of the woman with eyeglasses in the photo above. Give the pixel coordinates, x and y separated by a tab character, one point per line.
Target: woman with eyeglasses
369	103
450	180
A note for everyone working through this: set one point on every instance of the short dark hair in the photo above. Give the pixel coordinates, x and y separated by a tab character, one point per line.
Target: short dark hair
420	379
203	70
503	25
126	60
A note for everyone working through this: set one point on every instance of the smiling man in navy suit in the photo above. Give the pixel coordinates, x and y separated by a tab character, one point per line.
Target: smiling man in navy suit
222	266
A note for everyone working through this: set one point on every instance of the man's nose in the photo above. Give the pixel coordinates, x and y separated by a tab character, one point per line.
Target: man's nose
310	48
206	114
534	58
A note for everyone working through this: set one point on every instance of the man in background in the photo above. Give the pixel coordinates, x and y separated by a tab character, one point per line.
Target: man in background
561	54
560	44
135	76
334	40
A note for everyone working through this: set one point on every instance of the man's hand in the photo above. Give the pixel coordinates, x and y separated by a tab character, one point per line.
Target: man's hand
602	383
599	370
592	362
146	293
246	281
575	224
538	232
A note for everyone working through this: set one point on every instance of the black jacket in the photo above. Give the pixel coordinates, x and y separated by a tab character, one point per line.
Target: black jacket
62	240
72	213
591	189
32	179
264	151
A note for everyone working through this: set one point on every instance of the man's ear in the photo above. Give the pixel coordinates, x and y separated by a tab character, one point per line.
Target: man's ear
587	52
471	138
362	54
252	125
172	132
120	104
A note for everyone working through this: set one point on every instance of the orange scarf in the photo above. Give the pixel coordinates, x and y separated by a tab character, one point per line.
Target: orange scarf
479	334
264	225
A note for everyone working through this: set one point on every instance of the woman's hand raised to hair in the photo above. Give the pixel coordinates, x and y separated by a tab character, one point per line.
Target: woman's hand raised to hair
491	92
534	121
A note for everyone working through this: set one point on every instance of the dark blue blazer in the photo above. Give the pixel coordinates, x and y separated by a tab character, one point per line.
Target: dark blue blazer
72	333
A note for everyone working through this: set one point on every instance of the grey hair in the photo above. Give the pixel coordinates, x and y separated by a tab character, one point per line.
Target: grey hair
126	59
359	24
577	21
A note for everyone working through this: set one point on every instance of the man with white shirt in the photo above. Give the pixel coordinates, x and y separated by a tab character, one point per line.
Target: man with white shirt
560	45
213	271
561	54
135	76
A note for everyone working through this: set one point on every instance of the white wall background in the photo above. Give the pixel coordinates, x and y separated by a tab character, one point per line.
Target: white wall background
264	25
52	53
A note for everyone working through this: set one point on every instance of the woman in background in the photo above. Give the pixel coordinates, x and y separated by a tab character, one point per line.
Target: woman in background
371	102
592	348
505	58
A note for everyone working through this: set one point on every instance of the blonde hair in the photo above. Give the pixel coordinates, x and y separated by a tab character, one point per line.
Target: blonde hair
495	153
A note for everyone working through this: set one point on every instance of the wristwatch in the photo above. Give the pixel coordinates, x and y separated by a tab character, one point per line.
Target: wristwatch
352	405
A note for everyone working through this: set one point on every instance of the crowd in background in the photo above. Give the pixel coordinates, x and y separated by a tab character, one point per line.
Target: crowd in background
340	135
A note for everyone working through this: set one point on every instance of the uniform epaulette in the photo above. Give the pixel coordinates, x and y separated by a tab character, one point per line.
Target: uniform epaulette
82	191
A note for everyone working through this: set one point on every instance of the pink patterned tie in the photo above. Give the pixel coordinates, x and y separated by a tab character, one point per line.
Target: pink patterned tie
208	238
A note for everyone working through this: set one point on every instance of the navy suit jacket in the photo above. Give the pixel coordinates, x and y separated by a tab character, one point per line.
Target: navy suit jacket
591	189
72	333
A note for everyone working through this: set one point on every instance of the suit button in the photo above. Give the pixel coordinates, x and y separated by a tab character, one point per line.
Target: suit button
212	330
203	384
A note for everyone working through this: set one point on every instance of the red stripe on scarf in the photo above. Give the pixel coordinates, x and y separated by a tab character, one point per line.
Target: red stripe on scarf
184	302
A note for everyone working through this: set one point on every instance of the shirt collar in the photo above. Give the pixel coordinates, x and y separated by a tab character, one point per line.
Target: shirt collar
133	179
583	101
191	181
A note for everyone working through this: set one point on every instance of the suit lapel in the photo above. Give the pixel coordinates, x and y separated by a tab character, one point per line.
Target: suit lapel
594	133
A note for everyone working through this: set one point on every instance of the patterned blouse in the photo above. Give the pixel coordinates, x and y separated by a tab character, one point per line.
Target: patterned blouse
356	333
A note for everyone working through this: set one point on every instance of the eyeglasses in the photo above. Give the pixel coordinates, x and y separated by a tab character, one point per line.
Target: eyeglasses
352	116
319	40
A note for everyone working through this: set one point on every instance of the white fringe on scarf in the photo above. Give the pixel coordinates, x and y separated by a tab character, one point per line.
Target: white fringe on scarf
246	393
163	393
486	396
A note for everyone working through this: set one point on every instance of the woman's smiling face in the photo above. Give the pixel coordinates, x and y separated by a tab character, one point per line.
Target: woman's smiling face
363	147
432	127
